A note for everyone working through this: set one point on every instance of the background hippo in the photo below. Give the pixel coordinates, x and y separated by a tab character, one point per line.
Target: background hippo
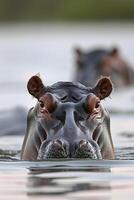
91	65
68	121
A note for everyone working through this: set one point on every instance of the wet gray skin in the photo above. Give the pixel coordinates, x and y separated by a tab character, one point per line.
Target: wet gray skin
68	121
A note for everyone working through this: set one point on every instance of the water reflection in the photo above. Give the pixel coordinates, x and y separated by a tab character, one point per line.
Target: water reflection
74	179
65	181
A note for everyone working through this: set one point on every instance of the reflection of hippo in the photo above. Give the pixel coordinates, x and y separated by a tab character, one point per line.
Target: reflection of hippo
68	121
93	64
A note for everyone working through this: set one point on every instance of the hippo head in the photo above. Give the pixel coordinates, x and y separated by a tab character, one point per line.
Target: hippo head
91	64
70	116
101	62
101	59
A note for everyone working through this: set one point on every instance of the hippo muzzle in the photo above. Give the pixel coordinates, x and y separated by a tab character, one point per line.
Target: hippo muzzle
56	149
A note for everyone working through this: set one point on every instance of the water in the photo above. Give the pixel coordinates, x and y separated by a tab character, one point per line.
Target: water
48	49
67	180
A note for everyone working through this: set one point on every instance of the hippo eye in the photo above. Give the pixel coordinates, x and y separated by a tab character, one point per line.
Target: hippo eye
41	104
47	103
91	104
97	104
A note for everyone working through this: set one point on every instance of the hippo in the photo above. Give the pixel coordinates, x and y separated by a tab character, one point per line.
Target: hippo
94	63
68	121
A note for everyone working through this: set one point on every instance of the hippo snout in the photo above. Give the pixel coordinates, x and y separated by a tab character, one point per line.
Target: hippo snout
54	149
61	149
88	149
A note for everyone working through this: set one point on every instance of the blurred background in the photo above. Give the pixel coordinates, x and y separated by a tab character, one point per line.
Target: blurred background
67	10
40	37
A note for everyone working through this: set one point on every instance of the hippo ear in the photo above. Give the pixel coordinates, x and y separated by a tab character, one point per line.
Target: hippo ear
78	51
114	51
35	86
103	88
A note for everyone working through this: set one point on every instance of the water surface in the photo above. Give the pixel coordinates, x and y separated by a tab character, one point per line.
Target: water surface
77	179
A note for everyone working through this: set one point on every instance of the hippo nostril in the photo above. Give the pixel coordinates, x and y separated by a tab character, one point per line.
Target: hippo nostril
83	143
58	143
87	149
54	149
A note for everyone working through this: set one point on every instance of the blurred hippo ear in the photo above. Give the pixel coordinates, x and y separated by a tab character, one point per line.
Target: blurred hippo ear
114	51
78	56
78	51
35	86
103	88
